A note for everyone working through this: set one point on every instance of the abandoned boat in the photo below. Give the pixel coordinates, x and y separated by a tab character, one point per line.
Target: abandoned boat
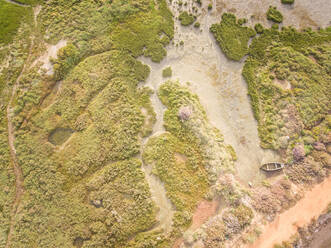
272	166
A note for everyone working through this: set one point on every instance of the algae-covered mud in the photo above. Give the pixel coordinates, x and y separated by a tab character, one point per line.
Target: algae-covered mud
144	123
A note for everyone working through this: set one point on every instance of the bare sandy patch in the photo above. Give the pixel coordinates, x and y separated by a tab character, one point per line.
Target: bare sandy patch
51	53
204	210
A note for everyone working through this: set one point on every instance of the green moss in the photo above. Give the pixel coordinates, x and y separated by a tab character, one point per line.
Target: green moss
11	16
232	37
274	15
185	18
167	72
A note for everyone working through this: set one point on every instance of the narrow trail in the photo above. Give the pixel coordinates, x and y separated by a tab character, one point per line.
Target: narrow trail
286	224
11	141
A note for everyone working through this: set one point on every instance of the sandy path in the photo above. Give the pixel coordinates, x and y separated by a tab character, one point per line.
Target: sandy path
285	225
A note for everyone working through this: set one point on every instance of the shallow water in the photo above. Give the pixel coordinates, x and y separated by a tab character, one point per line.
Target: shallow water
221	89
60	135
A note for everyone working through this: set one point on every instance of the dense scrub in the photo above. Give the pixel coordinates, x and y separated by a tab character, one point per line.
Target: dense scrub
85	181
232	37
288	76
7	179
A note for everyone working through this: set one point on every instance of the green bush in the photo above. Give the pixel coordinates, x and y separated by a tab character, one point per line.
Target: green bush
287	1
232	37
67	58
167	72
197	25
185	18
258	28
274	15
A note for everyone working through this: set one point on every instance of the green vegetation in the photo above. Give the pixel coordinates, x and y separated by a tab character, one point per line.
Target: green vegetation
288	80
67	58
181	157
176	156
185	18
7	178
274	15
167	72
179	165
287	1
258	28
11	18
197	24
328	210
232	37
28	2
210	6
92	186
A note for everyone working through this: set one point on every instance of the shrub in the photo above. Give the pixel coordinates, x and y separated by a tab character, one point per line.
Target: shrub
210	6
274	15
186	19
167	72
258	28
197	25
287	1
68	57
232	37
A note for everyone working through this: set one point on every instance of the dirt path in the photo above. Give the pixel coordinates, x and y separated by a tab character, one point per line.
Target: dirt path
11	141
286	224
